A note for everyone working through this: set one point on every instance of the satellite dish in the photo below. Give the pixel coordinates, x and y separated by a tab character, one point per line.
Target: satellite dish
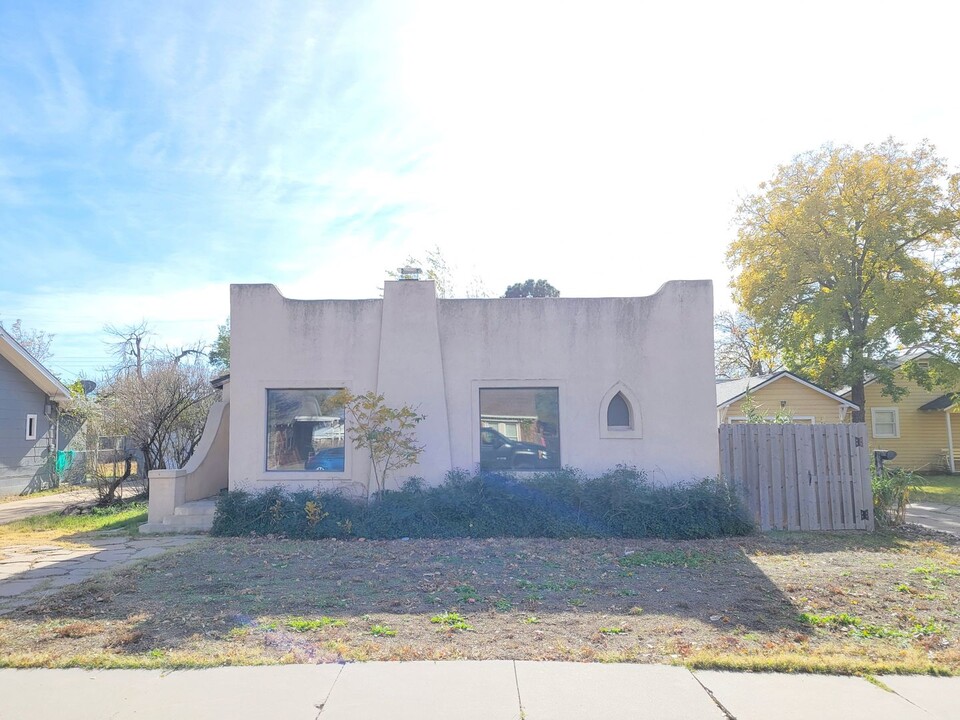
88	386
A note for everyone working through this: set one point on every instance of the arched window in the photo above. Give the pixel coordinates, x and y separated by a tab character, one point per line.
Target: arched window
620	416
618	412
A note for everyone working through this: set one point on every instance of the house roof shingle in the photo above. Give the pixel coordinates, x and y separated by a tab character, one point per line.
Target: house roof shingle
730	390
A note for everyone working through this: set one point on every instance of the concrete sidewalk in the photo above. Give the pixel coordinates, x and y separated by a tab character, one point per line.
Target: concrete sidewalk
465	690
938	516
20	509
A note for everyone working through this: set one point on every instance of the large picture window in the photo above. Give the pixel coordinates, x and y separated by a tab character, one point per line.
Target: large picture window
520	428
305	430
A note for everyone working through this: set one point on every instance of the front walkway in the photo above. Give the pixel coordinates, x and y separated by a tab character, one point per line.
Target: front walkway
467	690
13	510
28	573
938	516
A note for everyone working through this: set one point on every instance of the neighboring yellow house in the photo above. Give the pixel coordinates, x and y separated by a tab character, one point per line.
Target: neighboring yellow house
920	428
805	402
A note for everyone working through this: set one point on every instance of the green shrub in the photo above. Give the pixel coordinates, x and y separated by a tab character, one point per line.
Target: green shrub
891	493
565	504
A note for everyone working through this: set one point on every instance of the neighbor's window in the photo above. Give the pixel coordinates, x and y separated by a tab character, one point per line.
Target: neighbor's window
31	427
886	422
520	428
305	430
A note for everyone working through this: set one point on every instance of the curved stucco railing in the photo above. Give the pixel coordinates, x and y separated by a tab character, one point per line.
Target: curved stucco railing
204	475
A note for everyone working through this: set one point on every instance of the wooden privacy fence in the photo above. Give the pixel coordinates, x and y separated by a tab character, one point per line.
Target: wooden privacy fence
801	477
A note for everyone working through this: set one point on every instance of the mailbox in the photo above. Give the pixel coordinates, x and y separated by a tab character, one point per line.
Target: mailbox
879	456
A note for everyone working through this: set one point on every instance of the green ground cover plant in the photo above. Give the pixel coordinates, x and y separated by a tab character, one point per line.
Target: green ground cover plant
451	620
300	624
565	504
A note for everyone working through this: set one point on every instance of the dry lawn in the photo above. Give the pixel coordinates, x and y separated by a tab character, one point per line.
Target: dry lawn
853	603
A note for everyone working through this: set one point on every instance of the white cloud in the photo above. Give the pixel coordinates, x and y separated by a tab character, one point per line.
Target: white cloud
601	147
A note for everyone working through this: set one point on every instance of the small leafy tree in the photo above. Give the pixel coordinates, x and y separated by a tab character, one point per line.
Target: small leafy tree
219	356
754	413
532	289
387	433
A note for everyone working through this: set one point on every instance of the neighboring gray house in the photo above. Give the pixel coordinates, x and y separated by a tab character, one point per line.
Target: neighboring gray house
30	397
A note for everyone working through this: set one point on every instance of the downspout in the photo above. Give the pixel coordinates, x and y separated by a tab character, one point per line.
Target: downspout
953	469
52	412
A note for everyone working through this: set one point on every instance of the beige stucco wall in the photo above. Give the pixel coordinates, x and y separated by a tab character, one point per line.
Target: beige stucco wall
802	402
436	354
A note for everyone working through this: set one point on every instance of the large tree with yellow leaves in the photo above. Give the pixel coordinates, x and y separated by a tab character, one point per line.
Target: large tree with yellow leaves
847	256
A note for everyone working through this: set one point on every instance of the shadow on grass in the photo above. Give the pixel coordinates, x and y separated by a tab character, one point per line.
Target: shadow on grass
717	588
225	583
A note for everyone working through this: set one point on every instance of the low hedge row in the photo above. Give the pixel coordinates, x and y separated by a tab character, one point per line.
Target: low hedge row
566	504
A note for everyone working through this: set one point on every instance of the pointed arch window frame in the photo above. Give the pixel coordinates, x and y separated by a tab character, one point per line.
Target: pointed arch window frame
615	432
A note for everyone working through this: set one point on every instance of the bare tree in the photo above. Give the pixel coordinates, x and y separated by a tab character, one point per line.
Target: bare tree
443	273
130	346
162	410
740	349
35	342
157	397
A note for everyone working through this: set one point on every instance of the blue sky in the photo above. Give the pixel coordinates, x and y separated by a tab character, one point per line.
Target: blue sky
153	153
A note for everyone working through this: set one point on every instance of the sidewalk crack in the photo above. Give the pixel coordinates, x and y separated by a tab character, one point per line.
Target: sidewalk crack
729	715
516	680
321	705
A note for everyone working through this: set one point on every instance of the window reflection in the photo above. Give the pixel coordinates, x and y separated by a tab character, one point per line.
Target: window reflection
305	430
519	428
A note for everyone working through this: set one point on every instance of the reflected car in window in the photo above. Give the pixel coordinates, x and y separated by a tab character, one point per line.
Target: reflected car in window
329	460
498	452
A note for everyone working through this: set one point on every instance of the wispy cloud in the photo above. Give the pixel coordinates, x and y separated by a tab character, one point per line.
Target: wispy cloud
152	153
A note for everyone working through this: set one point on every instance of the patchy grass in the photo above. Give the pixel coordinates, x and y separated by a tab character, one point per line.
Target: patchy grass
451	620
938	488
841	661
664	558
54	527
300	624
832	602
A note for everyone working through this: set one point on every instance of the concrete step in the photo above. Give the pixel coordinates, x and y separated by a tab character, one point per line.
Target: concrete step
194	522
197	508
192	517
161	529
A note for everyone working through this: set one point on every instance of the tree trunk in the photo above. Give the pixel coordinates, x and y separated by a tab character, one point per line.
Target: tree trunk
109	495
857	398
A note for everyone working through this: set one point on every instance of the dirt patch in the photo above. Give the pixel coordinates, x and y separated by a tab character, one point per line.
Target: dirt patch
888	598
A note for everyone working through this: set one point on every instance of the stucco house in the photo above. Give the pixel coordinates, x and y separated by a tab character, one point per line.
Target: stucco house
530	384
806	402
919	427
30	397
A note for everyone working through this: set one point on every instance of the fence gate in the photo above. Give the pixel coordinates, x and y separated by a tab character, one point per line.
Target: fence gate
800	477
